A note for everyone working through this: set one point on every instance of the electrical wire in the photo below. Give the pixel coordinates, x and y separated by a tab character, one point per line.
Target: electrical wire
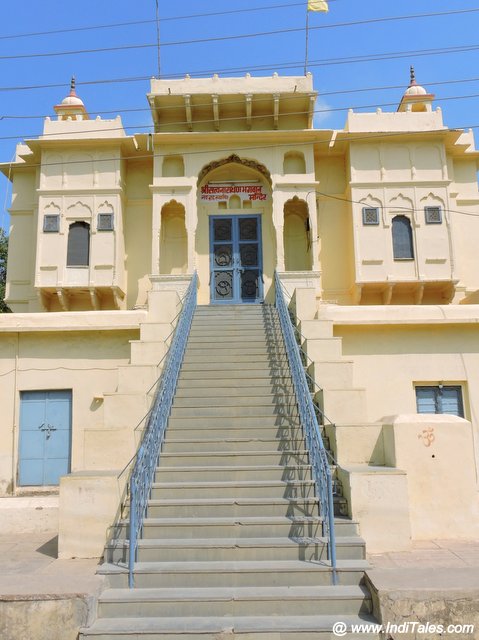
262	147
283	65
257	34
257	118
223	119
164	19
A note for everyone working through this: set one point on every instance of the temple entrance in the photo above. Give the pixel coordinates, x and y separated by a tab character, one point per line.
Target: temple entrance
236	259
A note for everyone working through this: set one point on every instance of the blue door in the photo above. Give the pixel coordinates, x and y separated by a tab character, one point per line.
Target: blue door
235	259
45	437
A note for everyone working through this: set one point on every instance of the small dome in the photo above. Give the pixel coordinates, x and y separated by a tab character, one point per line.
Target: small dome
72	99
415	90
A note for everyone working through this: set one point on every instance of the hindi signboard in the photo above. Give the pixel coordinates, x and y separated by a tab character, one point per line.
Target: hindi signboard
223	192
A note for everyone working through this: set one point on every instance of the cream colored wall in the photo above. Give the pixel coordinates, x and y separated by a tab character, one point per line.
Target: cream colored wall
336	250
389	360
184	190
78	186
85	361
464	224
401	179
138	225
20	294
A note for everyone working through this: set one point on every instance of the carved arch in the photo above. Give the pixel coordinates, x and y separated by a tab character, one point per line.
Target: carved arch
235	159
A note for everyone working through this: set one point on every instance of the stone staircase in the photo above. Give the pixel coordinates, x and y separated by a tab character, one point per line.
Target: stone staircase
232	542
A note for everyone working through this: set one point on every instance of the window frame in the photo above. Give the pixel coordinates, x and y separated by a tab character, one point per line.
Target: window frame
101	228
70	248
428	209
438	393
395	239
365	211
51	217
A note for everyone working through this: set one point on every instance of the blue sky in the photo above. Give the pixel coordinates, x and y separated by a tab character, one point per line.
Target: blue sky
337	81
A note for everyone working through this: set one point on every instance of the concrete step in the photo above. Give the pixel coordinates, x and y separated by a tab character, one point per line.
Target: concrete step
266	368
234	458
229	412
224	444
246	489
236	400
228	329
246	388
197	422
232	472
247	527
219	573
236	339
268	432
314	627
215	507
236	549
244	356
234	601
207	375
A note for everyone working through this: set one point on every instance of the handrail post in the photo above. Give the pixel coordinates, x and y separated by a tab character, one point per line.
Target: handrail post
318	456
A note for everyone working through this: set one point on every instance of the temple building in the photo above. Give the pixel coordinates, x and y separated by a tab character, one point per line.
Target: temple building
372	230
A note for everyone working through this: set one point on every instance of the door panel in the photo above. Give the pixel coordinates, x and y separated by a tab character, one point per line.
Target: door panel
236	264
45	437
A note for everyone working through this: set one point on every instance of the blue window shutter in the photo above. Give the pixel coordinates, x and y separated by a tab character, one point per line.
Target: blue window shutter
426	399
402	238
451	401
446	400
78	249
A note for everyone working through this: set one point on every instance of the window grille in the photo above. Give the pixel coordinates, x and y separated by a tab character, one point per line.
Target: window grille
51	223
433	215
370	215
105	222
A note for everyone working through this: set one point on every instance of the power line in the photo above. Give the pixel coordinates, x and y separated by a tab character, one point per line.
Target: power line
282	65
140	22
120	110
257	118
267	146
257	34
240	149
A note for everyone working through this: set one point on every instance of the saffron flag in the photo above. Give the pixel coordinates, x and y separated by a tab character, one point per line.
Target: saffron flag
318	5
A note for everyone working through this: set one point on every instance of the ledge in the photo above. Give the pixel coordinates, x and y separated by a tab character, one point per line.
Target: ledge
72	321
399	314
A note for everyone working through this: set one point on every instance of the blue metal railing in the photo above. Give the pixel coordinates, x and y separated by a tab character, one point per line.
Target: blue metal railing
143	473
317	452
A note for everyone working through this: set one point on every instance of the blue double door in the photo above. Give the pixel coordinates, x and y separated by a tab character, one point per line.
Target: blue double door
45	437
236	259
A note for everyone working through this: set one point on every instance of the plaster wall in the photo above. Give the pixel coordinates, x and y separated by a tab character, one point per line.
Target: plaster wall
85	361
388	361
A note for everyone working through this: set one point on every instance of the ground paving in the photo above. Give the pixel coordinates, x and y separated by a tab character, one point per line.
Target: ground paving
442	572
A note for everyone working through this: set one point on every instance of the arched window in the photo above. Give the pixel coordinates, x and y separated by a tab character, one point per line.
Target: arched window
78	250
402	238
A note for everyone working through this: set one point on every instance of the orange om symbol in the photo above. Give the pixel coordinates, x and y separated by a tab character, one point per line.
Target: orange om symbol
427	436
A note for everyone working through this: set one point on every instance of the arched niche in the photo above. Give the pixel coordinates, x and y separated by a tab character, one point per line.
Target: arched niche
173	240
297	236
173	167
294	162
234	202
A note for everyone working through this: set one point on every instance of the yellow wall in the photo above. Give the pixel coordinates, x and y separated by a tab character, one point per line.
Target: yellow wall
86	362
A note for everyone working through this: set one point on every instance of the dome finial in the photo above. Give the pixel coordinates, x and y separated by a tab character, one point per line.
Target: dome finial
73	86
412	81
